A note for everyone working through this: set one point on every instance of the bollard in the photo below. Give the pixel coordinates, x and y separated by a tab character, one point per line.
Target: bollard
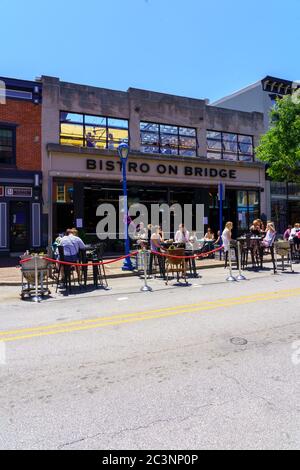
231	278
146	287
291	260
36	298
240	276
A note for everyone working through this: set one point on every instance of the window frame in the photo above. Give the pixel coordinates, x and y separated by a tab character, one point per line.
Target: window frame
222	151
85	124
178	136
13	128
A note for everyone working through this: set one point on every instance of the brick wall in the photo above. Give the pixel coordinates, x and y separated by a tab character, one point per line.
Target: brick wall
28	117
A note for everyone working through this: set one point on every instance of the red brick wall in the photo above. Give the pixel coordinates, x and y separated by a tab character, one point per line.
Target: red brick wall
28	117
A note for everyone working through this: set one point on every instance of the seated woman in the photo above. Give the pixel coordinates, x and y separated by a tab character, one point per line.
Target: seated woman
256	228
270	235
155	243
209	236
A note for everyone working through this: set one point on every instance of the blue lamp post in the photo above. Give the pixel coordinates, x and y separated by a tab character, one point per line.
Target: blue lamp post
123	151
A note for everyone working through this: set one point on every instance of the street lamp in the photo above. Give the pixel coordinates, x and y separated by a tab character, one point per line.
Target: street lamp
123	151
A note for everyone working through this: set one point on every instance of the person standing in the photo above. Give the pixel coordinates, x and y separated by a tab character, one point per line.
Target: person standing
227	236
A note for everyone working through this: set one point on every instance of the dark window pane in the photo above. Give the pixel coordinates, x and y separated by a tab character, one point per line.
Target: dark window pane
118	123
72	134
188	146
150	142
150	138
148	126
188	152
214	135
165	129
230	156
188	131
246	148
116	137
229	137
71	117
169	144
95	121
214	144
150	148
246	139
7	146
230	146
245	158
95	136
214	155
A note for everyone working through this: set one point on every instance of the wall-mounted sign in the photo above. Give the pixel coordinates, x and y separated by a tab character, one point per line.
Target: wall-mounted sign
162	169
1	191
18	192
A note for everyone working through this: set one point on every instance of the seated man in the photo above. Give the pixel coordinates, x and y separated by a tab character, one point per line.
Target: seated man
72	245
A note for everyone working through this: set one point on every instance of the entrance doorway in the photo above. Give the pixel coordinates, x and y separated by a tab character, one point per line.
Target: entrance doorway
19	226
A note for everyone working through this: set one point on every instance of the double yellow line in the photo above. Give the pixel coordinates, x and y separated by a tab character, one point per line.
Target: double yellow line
113	320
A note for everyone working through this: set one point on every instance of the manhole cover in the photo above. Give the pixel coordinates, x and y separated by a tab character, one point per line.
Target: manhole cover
239	341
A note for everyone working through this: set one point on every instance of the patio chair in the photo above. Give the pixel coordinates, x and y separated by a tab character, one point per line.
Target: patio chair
175	265
65	270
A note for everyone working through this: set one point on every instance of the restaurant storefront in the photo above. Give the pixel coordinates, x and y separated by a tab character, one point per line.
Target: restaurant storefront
96	180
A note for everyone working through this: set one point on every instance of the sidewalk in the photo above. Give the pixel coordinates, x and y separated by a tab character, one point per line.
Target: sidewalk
10	273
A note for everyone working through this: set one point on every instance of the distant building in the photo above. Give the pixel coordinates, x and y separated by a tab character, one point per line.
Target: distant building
284	203
20	165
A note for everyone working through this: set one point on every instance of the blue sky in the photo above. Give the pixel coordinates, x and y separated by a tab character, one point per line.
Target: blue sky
197	48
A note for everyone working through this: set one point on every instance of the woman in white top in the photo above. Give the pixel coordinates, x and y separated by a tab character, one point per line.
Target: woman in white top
270	235
227	236
294	236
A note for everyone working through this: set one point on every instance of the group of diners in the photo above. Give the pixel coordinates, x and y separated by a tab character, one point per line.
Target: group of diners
292	234
153	238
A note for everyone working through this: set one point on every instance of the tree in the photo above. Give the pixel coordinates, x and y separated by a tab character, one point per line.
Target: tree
280	146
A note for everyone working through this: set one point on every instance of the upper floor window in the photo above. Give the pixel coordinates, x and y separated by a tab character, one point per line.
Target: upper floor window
228	146
168	140
84	130
7	145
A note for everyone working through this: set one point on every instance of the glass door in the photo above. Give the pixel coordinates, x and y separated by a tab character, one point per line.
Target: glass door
19	227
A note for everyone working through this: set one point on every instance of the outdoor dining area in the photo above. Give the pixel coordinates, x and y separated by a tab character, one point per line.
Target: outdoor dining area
152	256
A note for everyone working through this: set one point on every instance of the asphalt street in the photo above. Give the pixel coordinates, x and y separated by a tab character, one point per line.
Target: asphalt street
213	365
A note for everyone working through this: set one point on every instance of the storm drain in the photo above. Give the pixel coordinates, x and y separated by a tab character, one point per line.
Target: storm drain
239	341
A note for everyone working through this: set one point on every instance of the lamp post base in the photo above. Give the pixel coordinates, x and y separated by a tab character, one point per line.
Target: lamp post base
127	266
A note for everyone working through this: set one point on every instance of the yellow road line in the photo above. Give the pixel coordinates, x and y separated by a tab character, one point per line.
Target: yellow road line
259	296
143	316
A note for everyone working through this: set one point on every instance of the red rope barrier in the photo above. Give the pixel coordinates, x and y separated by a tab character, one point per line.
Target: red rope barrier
104	263
84	265
200	255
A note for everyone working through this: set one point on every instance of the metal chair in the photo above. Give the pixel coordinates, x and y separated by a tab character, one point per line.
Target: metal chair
99	273
176	266
66	270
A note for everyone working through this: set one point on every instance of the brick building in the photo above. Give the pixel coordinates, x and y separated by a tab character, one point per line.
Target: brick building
20	165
